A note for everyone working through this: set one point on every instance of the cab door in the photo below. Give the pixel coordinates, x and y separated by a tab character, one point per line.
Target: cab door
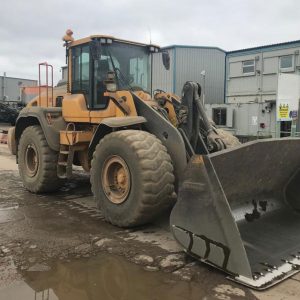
81	63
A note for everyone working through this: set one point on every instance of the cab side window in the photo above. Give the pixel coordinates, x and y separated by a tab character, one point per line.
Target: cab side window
101	68
81	70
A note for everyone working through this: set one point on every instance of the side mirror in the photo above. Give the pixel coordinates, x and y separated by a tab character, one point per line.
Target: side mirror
95	47
166	59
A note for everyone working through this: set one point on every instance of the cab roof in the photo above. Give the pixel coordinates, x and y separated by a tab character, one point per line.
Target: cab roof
99	36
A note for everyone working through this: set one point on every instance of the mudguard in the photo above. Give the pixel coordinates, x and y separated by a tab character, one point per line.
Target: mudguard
49	118
108	124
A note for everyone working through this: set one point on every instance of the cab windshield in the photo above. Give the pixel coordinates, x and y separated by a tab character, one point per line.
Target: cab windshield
129	62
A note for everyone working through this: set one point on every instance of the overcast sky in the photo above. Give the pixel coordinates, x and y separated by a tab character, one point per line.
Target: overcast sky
31	30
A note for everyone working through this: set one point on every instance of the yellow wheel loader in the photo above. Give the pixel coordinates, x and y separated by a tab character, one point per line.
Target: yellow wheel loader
237	207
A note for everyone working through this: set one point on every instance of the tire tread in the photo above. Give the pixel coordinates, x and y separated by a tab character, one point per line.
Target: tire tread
48	180
156	175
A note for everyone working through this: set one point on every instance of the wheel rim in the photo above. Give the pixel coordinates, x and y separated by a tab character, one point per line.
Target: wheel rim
31	160
116	181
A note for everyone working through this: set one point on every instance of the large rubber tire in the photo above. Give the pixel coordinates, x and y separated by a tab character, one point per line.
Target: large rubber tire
151	177
44	178
11	143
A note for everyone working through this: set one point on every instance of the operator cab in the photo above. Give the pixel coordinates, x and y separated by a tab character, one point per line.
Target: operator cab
91	59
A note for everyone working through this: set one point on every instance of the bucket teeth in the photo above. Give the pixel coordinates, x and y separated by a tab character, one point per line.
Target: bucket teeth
269	265
258	274
268	270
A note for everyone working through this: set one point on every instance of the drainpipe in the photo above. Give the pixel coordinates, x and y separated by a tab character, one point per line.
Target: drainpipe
174	70
261	75
225	79
3	86
151	75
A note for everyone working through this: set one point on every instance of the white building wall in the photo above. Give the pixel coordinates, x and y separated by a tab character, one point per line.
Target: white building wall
262	85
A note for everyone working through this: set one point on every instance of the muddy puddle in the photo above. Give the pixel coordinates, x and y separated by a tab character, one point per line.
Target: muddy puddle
101	277
58	246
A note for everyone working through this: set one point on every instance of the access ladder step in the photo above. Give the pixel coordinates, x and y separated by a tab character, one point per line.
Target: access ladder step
65	161
64	152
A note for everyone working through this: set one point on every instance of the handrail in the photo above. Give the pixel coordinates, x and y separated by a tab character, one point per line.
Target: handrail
48	68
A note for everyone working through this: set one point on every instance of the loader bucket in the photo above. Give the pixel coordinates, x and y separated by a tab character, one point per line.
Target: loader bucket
239	210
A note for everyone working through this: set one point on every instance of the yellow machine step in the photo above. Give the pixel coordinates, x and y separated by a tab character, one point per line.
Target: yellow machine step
68	137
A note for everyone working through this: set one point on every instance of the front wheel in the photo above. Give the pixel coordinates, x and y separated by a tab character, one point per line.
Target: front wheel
37	161
132	177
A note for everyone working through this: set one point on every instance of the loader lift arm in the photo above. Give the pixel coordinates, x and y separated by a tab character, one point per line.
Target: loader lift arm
198	132
194	122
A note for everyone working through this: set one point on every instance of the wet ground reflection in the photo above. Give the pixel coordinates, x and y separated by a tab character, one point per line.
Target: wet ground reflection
102	277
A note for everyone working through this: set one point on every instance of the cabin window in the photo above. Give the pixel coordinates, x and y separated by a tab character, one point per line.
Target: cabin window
249	66
81	70
287	63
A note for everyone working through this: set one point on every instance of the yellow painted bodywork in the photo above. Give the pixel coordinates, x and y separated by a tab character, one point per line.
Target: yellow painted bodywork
74	108
43	101
143	95
89	38
71	137
168	99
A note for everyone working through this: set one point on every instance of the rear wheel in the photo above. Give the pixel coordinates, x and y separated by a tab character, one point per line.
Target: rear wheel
132	177
37	162
11	141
